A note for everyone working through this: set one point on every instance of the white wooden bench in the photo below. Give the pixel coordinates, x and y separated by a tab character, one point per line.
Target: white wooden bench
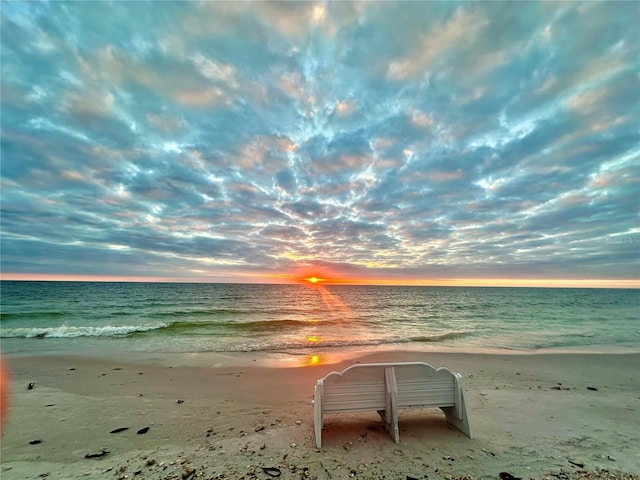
387	387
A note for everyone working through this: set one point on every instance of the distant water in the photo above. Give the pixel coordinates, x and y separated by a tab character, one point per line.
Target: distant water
79	317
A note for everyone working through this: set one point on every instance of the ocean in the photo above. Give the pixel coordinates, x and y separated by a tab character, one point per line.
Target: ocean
86	317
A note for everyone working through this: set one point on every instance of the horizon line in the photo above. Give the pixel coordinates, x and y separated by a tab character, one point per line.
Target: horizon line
269	280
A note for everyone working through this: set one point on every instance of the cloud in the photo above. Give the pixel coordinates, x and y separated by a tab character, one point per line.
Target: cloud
451	34
378	139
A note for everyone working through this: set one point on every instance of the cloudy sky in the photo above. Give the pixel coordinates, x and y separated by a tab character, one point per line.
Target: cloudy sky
372	141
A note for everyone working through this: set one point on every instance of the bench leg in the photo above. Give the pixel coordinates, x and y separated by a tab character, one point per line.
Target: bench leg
317	414
383	416
457	415
391	400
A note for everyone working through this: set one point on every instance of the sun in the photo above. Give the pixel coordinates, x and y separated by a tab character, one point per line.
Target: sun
313	275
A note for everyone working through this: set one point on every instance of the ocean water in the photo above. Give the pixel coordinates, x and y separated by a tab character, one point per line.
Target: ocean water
82	317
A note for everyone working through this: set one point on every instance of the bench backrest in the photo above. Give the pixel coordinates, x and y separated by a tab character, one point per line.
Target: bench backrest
361	387
421	385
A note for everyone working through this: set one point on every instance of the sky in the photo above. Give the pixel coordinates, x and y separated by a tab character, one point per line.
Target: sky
368	142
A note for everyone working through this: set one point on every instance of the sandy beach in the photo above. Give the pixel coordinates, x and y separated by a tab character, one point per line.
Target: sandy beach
208	416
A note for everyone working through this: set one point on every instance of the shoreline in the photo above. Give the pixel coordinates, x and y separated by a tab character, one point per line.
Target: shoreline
310	356
233	414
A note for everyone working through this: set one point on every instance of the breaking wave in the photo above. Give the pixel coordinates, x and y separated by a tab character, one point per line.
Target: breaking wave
66	331
441	337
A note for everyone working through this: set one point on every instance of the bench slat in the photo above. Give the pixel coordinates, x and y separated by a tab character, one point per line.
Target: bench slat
351	404
427	403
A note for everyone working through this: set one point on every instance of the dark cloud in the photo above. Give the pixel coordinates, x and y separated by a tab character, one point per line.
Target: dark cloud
384	139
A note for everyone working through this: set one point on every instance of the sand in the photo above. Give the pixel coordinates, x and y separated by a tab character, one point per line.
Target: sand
229	417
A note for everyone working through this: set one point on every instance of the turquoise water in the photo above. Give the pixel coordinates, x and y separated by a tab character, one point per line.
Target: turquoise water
163	317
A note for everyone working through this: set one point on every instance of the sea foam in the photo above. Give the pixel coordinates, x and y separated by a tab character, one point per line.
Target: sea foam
66	331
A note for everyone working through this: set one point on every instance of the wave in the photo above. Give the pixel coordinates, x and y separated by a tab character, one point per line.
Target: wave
259	326
272	324
441	337
65	331
366	341
27	315
208	312
171	328
205	313
303	345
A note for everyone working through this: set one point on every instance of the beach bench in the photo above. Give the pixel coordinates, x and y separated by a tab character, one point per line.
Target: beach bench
388	387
